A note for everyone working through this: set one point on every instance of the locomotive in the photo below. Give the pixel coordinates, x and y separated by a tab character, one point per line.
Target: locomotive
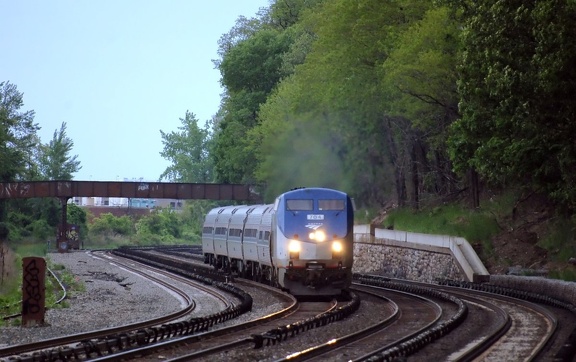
302	243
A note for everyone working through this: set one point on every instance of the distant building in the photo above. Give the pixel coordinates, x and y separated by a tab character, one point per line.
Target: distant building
129	203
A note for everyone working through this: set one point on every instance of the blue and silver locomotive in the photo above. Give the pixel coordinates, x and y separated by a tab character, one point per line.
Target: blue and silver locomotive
301	243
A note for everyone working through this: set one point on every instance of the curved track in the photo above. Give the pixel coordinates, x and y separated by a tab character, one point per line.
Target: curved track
67	343
496	328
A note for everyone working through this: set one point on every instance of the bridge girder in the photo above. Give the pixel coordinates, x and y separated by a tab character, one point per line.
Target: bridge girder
146	190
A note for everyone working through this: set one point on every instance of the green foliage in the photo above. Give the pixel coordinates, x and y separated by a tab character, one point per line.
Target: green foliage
17	135
420	74
232	165
561	240
169	227
317	128
19	225
53	158
107	241
10	304
516	87
250	70
71	282
17	139
41	230
30	248
110	225
192	219
365	216
564	274
23	157
77	216
161	226
453	220
189	152
160	223
4	231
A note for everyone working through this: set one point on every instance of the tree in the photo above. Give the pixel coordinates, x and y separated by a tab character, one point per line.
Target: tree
420	80
54	160
17	133
328	117
109	225
17	137
78	216
518	112
189	151
250	70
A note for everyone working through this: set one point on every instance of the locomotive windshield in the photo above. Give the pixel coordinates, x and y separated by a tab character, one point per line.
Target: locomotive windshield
299	205
308	205
331	205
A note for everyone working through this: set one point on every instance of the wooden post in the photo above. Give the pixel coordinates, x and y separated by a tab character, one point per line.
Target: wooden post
33	291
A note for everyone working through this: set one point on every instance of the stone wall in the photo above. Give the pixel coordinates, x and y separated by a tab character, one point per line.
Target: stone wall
394	259
397	259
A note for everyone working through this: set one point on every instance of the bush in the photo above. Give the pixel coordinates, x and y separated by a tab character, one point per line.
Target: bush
41	230
110	225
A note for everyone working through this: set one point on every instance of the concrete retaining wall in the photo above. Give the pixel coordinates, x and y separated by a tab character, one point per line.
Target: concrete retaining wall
415	256
425	258
383	257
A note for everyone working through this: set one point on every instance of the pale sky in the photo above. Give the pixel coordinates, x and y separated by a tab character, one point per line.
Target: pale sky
117	72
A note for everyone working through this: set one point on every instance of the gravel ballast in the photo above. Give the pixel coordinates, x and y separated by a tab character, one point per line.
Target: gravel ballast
113	297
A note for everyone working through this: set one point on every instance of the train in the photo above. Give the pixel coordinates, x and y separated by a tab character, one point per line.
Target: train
303	243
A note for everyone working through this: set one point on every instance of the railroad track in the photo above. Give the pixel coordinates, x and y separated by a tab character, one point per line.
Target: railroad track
410	314
441	323
498	327
75	345
243	338
519	330
258	333
495	328
495	324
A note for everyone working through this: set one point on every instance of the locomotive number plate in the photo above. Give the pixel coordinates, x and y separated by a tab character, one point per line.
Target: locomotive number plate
315	217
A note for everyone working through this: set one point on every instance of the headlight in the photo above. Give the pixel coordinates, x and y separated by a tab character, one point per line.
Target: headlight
294	246
317	235
337	246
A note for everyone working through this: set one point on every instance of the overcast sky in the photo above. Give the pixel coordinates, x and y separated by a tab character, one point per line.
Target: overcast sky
117	72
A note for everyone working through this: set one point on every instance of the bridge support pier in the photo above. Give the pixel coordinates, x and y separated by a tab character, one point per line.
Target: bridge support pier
62	239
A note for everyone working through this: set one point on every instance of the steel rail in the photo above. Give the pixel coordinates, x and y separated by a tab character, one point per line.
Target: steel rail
476	351
333	345
218	295
66	340
464	293
233	344
175	342
318	350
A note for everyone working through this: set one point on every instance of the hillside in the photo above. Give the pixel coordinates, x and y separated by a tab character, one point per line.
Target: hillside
530	239
525	244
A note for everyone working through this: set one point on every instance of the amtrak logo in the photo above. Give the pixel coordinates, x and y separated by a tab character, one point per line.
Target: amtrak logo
313	226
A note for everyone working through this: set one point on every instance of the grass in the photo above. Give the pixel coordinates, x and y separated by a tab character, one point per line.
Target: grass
481	225
561	238
10	299
455	220
30	248
563	274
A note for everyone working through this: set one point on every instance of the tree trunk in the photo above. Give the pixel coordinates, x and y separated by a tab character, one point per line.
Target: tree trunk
396	161
474	189
415	176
